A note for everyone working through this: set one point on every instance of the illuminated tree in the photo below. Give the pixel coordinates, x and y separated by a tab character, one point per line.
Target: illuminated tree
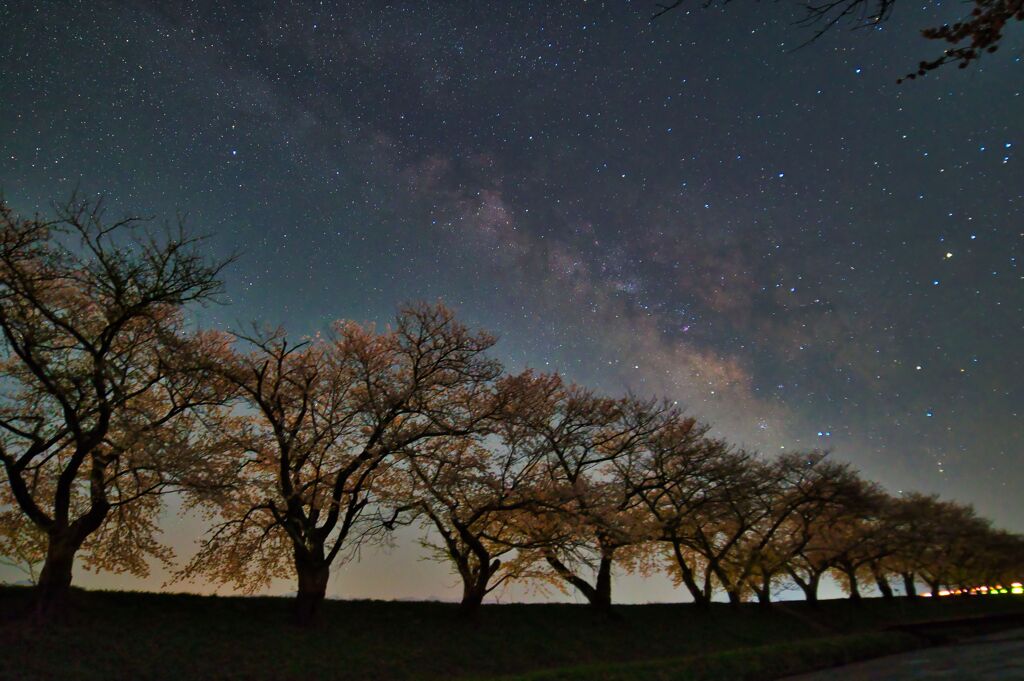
102	401
951	542
800	486
22	545
586	518
675	475
999	560
812	490
857	536
741	501
910	524
326	419
476	493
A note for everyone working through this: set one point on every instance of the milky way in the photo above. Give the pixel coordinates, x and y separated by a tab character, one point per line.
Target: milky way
790	244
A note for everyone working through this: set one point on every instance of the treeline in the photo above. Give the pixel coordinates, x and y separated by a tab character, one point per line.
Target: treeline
302	450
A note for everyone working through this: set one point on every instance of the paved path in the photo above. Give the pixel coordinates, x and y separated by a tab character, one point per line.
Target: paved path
995	657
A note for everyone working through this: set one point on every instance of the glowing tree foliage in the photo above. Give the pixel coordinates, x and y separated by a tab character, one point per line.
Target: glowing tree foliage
301	451
325	420
585	518
475	498
101	401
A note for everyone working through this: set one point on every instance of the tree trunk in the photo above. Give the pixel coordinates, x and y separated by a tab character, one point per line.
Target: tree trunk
474	587
732	589
882	582
599	595
63	542
764	596
688	579
909	587
810	587
313	576
54	584
851	579
935	587
472	598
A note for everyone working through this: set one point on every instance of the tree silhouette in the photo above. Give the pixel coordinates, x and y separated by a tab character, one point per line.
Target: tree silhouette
475	498
675	476
979	31
586	518
301	451
101	400
328	416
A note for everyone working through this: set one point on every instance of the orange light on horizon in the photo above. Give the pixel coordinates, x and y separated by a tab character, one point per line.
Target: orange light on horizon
1016	588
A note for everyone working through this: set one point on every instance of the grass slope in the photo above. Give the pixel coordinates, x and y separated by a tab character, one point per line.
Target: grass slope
744	664
144	636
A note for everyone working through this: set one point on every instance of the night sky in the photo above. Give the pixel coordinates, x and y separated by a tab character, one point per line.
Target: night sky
790	244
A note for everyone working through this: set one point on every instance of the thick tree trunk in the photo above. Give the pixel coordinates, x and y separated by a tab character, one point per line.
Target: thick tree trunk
851	580
598	595
313	576
63	542
809	587
909	587
731	588
935	588
688	579
475	587
472	598
882	582
603	588
54	584
764	596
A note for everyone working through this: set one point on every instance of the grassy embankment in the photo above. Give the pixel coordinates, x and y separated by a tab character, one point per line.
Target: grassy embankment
117	635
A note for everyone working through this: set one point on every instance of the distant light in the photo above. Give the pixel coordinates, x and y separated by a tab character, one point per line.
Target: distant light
857	71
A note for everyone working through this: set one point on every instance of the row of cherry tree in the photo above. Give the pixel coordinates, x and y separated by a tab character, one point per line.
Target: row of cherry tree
301	451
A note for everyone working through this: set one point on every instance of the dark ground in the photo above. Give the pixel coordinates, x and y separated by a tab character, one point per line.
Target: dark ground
992	657
121	635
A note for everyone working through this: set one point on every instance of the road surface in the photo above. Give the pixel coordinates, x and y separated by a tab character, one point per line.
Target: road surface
995	657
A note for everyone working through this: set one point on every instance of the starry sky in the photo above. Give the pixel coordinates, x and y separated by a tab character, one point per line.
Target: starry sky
793	246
